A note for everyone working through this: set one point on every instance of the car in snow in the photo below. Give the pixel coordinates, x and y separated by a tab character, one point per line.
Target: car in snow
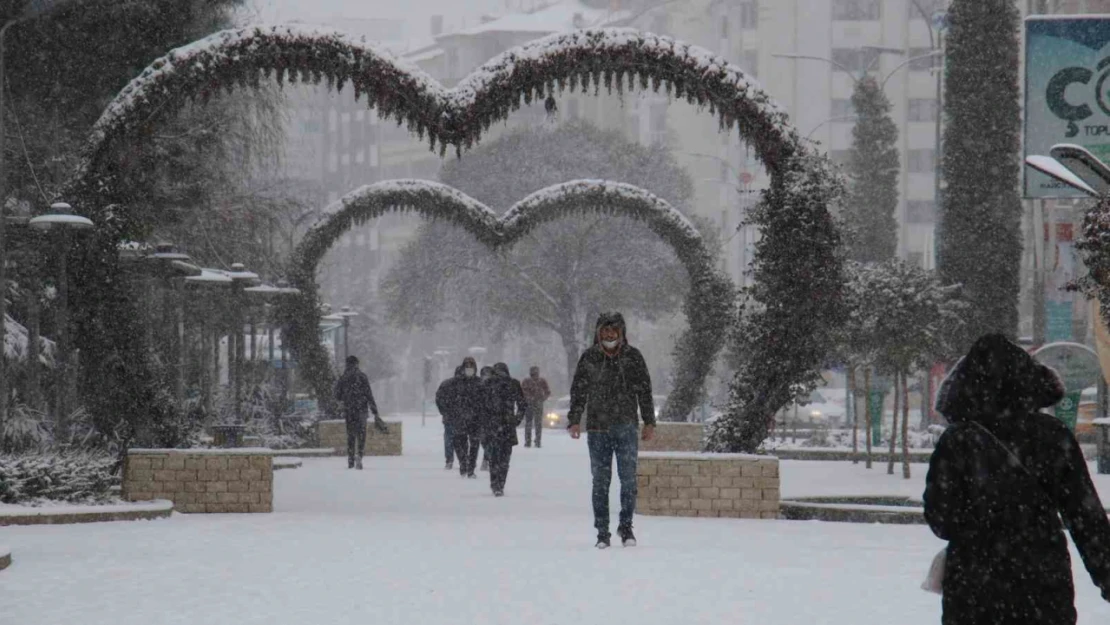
556	417
823	407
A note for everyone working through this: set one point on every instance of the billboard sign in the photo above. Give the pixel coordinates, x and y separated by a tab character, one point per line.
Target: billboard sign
1067	93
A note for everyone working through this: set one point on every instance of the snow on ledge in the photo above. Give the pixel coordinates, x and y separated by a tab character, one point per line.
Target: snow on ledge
158	505
700	455
234	451
853	507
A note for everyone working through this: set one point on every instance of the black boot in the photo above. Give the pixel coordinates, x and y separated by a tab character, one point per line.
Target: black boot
627	538
602	540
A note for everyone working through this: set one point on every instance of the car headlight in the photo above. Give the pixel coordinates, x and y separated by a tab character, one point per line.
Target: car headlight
815	414
551	416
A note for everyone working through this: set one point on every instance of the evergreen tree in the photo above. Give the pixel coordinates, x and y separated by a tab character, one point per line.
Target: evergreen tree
979	234
873	177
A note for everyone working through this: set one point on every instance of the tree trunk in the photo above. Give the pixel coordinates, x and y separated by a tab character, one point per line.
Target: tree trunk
893	427
905	428
853	405
867	412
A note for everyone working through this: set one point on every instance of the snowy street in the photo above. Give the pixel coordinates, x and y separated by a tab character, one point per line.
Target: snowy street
407	542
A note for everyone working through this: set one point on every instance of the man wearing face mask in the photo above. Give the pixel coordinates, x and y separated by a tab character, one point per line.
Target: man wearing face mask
536	392
611	385
457	400
468	396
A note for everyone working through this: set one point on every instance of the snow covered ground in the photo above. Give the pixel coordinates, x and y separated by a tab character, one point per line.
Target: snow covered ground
406	542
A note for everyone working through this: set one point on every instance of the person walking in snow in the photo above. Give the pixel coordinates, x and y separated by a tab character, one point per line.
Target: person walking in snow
506	412
353	392
536	392
460	399
447	405
1000	480
612	386
487	408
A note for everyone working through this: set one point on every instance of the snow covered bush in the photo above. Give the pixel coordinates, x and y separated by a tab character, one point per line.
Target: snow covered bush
76	478
25	429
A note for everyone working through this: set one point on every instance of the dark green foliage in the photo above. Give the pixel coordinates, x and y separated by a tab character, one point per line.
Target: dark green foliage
979	234
790	319
873	177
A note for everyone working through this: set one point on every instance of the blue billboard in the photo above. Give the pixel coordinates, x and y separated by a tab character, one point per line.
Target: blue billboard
1067	92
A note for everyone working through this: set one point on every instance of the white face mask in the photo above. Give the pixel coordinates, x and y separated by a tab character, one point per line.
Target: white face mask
468	372
610	345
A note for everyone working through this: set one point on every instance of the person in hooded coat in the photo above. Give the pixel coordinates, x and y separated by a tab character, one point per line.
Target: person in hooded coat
612	386
464	400
445	403
352	390
505	413
1003	483
486	374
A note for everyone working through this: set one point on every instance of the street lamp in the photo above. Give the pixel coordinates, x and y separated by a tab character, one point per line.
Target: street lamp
346	313
61	220
209	279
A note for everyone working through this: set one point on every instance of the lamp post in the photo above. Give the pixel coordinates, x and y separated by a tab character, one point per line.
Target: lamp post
169	265
346	313
62	220
209	279
240	278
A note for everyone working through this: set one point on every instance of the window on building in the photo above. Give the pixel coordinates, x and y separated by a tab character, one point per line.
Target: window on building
360	115
921	211
857	10
724	27
333	162
923	62
573	110
749	15
374	155
360	239
840	157
333	120
854	59
923	110
750	62
657	121
920	161
360	156
345	160
841	108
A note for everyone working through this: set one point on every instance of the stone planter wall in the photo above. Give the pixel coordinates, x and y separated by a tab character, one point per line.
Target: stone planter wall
199	480
333	434
707	485
676	437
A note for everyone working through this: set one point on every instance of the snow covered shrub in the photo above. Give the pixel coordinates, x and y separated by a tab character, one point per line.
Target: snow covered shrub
24	429
75	478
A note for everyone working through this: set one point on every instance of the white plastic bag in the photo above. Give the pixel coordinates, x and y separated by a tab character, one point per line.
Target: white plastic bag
934	580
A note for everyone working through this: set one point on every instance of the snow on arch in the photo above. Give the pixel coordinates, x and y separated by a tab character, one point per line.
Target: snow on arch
459	116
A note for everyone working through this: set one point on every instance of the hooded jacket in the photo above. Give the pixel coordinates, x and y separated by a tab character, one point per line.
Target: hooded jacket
611	390
1008	558
353	389
506	406
459	399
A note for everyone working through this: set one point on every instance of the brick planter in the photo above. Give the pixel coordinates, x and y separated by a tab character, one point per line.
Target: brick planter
707	485
333	434
200	480
676	437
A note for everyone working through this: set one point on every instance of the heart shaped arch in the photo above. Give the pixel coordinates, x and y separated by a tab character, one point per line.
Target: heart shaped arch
793	308
709	307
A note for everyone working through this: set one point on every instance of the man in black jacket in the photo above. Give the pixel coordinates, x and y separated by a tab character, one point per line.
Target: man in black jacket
460	402
353	392
1001	479
505	412
612	386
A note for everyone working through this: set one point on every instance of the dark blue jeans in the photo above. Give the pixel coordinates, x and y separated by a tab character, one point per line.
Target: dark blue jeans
622	441
449	442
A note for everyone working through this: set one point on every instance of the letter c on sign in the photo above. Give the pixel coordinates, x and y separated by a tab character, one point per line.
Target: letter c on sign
1054	95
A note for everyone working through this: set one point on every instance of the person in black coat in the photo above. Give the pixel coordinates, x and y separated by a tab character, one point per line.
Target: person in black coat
1002	477
460	401
353	392
502	418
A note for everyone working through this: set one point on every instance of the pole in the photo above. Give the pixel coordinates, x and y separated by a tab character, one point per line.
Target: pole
33	391
62	421
178	287
3	246
346	331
